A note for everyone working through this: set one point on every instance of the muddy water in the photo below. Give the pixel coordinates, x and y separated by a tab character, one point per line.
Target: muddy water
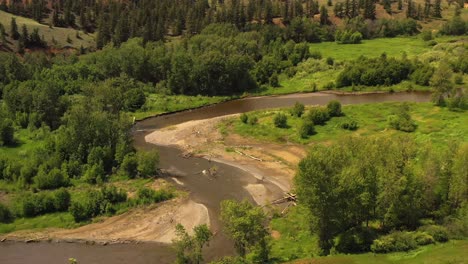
228	184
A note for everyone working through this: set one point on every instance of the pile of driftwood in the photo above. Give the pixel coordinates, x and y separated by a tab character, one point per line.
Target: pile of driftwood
289	198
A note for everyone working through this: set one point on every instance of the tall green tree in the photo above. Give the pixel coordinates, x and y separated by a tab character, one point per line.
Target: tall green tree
246	225
189	247
14	34
437	11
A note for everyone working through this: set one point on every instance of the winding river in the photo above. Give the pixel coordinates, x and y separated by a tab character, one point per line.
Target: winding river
228	185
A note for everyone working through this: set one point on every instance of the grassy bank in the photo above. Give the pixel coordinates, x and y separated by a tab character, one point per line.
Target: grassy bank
77	192
158	104
435	124
450	252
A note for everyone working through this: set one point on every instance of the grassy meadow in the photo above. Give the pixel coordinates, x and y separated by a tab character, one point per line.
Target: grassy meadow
59	34
435	124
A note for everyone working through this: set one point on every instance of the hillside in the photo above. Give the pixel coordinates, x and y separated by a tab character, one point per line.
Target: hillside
78	37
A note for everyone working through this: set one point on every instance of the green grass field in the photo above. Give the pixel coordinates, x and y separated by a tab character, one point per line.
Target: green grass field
59	34
435	124
293	240
452	252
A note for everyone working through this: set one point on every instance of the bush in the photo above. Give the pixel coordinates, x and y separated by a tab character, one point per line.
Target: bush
244	118
439	233
330	61
253	120
30	205
52	180
334	108
149	196
350	125
129	166
319	116
394	242
298	109
6	132
113	195
5	214
401	120
147	163
306	129
273	80
134	99
355	240
281	120
423	238
426	35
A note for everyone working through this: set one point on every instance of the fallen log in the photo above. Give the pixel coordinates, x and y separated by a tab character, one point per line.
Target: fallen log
252	157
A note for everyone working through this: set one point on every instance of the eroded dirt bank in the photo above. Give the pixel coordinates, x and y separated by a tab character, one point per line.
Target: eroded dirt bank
151	224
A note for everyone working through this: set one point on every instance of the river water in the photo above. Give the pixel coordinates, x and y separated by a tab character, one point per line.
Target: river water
229	183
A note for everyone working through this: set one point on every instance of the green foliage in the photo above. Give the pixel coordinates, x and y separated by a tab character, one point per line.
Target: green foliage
355	240
53	179
350	125
394	242
401	120
306	129
347	37
245	224
372	72
280	120
439	233
94	203
334	108
318	115
30	205
129	166
7	132
244	118
147	163
189	248
298	109
148	196
253	120
5	214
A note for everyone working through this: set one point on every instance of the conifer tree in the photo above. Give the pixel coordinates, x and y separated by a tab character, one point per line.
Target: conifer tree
437	9
400	5
427	8
14	34
369	9
324	15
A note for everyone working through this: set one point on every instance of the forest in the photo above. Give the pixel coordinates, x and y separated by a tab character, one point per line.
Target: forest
67	114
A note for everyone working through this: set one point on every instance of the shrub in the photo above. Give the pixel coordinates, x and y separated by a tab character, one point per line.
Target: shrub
306	129
129	166
281	120
298	109
147	163
253	120
319	116
426	35
273	80
149	196
113	195
134	99
334	108
52	180
423	238
5	214
244	118
401	120
439	233
30	205
350	125
394	242
330	61
355	240
6	132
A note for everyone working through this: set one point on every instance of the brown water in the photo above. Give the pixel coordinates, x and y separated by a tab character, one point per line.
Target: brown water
209	191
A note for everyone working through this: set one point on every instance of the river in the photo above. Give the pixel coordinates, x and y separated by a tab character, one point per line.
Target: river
228	185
